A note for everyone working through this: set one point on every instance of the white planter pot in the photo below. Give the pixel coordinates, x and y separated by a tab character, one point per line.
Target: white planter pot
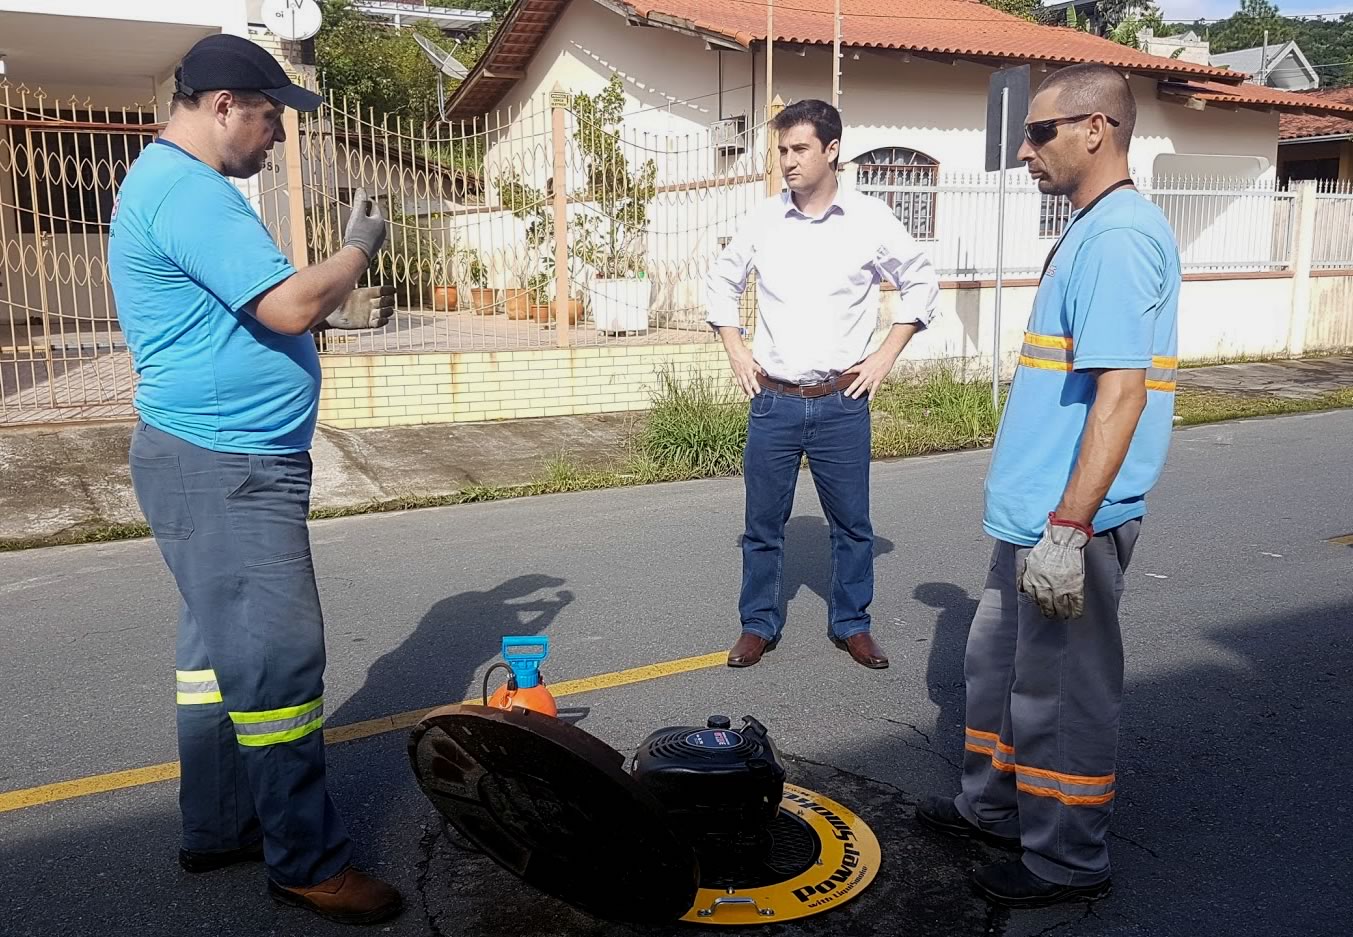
621	305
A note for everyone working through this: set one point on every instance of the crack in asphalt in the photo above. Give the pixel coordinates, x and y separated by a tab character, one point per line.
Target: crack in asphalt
908	798
927	748
1088	913
90	634
899	722
1133	842
428	844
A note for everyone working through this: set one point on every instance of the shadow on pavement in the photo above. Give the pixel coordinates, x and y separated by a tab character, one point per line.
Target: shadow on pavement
458	635
944	669
1232	814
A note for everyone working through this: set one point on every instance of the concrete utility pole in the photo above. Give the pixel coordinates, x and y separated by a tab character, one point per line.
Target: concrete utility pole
770	51
836	56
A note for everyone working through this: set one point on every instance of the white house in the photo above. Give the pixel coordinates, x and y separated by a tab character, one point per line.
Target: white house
913	75
913	94
1281	65
1186	46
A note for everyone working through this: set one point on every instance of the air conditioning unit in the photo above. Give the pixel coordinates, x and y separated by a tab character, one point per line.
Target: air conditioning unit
729	135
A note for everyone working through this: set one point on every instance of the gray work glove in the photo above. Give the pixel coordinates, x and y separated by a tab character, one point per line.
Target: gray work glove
1053	574
366	308
366	225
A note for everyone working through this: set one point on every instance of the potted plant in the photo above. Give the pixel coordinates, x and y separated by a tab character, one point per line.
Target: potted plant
543	309
611	240
472	274
442	275
540	298
621	291
522	265
534	252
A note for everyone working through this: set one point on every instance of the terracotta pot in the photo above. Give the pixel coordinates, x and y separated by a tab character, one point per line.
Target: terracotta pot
545	315
481	300
517	302
444	299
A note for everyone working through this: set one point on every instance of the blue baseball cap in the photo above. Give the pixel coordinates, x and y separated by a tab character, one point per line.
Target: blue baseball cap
232	63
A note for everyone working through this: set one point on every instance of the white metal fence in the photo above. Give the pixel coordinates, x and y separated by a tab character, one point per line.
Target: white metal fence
1221	226
1333	247
552	224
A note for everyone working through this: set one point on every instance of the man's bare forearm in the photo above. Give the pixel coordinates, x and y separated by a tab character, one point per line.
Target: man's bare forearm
731	336
1120	398
306	298
898	336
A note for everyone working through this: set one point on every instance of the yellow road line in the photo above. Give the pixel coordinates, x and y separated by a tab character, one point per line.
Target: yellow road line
136	777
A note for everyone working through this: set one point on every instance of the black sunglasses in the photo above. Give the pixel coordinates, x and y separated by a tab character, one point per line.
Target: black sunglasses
1041	132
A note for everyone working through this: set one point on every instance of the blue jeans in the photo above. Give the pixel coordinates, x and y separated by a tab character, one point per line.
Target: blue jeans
834	431
250	660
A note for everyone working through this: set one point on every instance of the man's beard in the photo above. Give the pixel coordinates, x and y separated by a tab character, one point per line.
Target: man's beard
246	166
1051	187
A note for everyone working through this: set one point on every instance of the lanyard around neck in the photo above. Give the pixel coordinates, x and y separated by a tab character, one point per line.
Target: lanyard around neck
1079	215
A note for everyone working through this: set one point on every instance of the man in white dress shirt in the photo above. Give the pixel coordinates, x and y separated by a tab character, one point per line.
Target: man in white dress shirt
819	253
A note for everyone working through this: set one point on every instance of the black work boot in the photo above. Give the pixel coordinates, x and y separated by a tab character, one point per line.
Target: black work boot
1012	885
196	862
940	814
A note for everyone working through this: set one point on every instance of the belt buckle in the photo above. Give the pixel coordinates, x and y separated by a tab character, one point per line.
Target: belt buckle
813	389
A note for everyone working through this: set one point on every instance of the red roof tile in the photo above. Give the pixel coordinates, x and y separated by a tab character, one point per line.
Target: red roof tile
964	28
1257	96
1297	126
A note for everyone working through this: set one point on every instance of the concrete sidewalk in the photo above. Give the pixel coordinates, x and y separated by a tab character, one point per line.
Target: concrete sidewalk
61	480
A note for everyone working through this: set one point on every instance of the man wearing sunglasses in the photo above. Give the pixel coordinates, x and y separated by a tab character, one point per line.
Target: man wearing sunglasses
1082	439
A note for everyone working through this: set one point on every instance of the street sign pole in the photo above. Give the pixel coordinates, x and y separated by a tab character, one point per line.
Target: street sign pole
1000	255
1007	108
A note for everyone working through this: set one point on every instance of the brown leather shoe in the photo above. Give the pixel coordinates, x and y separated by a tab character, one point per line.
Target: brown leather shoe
865	650
350	897
748	650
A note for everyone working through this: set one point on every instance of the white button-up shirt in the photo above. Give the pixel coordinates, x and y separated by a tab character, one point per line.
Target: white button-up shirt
817	283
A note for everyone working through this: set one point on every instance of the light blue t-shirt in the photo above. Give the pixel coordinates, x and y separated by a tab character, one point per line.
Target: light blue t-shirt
1109	299
187	257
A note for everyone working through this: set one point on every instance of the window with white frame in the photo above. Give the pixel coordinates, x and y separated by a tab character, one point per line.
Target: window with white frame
907	180
1054	211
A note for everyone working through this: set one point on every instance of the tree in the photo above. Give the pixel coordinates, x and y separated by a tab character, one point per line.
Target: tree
1329	44
384	68
1326	43
1245	29
610	239
1024	9
1127	29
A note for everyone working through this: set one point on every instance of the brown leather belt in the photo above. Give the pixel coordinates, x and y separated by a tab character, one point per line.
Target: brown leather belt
816	389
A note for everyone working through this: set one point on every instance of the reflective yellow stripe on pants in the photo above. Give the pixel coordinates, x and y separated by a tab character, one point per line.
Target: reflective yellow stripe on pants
196	687
278	725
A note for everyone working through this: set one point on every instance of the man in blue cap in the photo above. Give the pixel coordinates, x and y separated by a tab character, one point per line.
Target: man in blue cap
219	325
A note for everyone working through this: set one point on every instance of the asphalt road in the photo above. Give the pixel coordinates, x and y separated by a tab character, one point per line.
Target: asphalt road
1232	814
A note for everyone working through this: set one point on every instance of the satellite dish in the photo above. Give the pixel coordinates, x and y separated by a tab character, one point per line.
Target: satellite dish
444	61
447	67
292	19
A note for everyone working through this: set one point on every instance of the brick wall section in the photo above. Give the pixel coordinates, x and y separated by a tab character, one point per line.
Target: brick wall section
461	387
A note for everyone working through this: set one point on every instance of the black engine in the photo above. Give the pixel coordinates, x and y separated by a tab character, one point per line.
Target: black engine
722	787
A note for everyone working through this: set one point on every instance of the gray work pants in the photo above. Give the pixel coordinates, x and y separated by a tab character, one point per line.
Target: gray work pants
1042	714
250	659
